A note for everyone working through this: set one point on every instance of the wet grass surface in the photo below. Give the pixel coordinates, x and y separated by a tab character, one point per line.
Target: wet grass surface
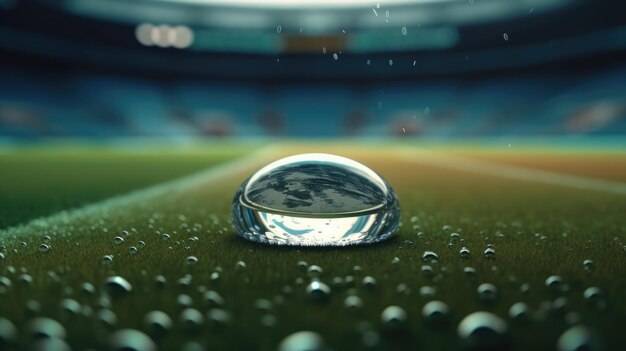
38	181
536	230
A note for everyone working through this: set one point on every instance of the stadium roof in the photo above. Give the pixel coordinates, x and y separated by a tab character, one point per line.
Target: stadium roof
308	38
322	16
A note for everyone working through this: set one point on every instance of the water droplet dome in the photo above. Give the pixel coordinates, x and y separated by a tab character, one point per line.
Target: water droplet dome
315	200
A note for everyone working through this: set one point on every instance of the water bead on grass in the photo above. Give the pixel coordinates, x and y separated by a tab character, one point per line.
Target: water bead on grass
318	291
482	331
315	200
393	317
131	339
302	341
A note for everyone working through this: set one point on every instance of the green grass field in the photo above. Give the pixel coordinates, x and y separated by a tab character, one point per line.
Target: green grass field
544	211
37	181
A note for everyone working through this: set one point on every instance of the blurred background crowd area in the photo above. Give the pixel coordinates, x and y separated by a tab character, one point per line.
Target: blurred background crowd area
105	106
244	68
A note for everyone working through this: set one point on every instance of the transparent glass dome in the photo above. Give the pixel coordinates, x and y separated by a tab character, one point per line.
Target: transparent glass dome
315	200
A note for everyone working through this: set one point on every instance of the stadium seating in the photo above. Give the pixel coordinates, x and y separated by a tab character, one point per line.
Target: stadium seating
93	106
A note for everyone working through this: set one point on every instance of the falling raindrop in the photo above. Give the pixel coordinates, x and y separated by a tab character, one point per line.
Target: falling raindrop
315	200
335	56
279	29
505	36
404	31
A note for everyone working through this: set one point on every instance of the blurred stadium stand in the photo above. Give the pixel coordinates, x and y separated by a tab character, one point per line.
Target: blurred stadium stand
405	68
97	106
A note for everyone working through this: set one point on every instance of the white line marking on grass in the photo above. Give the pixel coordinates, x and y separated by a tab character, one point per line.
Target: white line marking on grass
509	171
209	175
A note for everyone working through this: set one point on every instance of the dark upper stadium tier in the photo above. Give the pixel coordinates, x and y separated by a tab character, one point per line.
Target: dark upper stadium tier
308	39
